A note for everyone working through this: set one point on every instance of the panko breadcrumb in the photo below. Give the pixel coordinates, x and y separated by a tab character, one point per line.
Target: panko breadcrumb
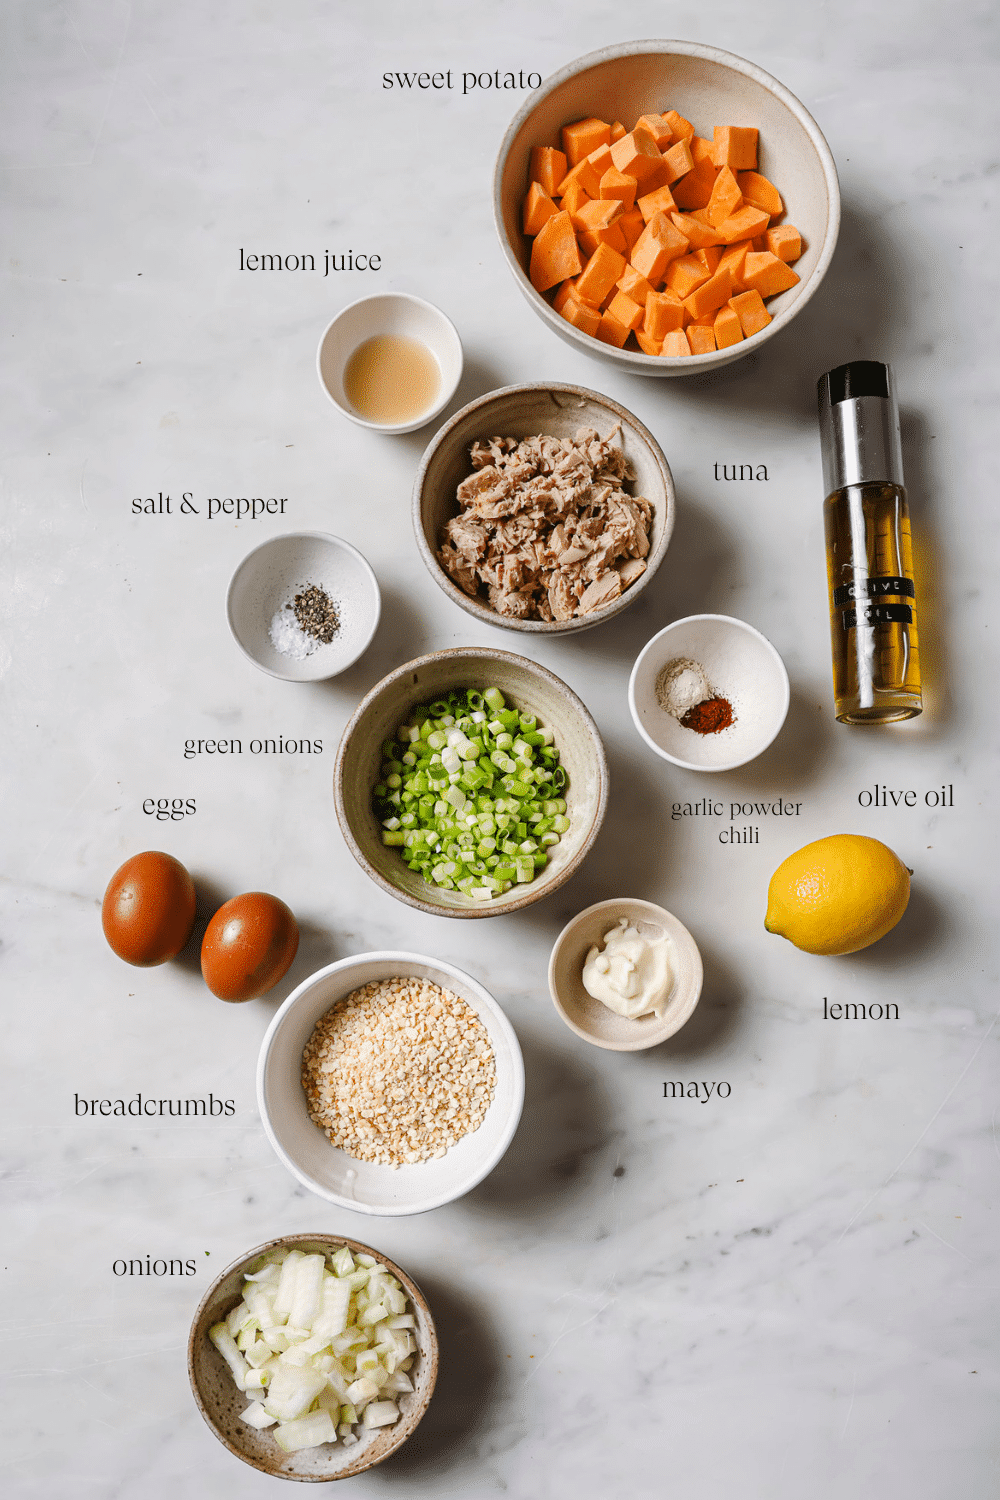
398	1072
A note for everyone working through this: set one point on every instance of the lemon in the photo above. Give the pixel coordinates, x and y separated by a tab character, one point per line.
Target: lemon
837	895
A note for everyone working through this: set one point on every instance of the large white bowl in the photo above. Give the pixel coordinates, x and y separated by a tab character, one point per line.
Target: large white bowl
709	87
739	663
368	1187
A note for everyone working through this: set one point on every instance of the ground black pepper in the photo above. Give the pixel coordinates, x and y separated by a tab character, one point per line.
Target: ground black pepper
316	614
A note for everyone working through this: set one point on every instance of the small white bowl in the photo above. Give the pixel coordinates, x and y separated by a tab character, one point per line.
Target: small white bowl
272	574
392	312
367	1187
594	1021
741	665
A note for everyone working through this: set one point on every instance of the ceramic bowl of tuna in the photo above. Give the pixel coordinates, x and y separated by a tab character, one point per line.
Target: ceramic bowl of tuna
767	134
545	508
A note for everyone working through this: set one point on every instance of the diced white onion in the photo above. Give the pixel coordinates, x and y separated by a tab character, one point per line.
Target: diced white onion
310	1374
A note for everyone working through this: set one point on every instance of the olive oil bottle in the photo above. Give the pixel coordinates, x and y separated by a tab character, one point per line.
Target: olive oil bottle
873	621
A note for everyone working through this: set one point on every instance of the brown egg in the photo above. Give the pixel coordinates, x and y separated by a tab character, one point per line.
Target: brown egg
249	945
148	910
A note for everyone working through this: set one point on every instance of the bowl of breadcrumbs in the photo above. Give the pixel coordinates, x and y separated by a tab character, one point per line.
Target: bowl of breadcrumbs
390	1083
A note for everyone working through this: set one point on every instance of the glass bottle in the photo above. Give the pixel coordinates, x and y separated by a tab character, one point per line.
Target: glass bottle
873	623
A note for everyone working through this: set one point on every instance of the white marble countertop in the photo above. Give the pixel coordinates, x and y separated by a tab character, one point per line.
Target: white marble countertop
776	1294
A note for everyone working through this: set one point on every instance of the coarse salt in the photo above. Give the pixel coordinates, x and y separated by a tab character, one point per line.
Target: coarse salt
288	637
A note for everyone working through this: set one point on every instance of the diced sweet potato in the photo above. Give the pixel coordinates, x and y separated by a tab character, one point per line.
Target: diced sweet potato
710	295
682	129
581	315
574	198
600	160
675	345
586	175
664	314
611	331
701	337
615	184
580	138
761	193
660	243
548	168
634	285
742	225
626	311
684	274
659	128
726	197
694	190
698	234
765	273
750	310
566	290
678	161
646	344
728	328
735	147
632	224
600	274
637	156
659	202
554	253
597	213
610	234
785	242
734	259
691	215
538	207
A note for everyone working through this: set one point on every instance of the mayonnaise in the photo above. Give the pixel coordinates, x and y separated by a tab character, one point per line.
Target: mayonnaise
632	976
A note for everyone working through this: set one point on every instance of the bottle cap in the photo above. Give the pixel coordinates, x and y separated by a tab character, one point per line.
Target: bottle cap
859	426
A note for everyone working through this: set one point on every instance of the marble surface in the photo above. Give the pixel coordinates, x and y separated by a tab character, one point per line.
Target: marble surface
785	1292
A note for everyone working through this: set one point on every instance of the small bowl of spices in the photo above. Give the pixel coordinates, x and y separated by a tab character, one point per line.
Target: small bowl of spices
303	606
390	363
709	693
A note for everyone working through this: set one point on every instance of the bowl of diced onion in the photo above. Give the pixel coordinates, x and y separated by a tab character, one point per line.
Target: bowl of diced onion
313	1357
470	782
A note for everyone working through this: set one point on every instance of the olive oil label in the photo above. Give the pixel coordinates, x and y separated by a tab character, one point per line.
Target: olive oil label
878	587
879	614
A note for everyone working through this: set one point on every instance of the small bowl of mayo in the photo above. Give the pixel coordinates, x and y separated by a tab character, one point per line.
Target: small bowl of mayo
625	975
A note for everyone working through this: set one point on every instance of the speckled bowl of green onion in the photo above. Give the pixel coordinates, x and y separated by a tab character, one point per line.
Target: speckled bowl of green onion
470	783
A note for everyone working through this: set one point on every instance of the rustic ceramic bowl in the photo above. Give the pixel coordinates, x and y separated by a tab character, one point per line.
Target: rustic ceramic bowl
273	573
524	684
390	312
594	1021
369	1187
709	87
523	411
740	664
220	1403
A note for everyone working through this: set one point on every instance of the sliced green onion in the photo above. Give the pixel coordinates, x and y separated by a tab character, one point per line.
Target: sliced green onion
435	804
